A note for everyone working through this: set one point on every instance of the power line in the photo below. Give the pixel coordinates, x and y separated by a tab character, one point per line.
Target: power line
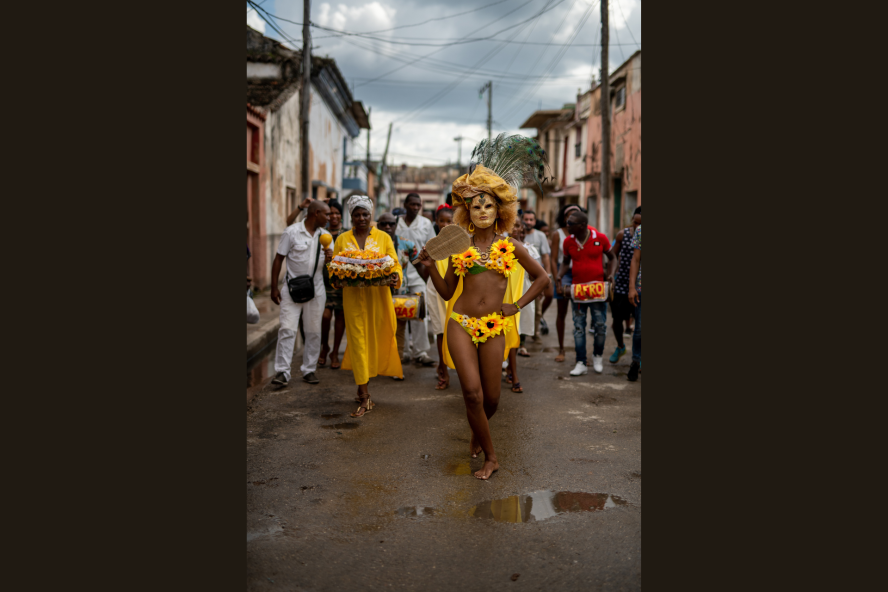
457	81
440	18
625	22
540	56
460	41
555	60
434	52
442	66
615	33
515	55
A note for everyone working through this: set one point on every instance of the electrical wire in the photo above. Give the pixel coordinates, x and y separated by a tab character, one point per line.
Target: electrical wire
440	18
458	80
461	41
615	32
548	69
625	22
434	52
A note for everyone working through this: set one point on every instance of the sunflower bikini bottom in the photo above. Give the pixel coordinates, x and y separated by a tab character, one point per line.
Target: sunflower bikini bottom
488	326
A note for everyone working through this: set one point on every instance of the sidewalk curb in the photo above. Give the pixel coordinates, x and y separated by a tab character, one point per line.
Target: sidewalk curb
262	338
266	330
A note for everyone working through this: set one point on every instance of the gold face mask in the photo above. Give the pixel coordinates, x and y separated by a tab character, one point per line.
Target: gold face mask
483	211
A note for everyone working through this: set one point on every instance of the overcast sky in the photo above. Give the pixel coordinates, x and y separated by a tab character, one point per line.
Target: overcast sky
526	73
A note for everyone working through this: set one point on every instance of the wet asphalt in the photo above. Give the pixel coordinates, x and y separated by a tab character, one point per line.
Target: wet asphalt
388	501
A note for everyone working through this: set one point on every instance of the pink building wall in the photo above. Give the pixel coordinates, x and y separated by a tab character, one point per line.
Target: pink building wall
625	152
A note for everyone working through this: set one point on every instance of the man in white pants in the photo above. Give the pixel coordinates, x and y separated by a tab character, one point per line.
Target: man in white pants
417	228
299	245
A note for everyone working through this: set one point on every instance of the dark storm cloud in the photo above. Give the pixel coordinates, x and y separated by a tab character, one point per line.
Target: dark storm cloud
438	97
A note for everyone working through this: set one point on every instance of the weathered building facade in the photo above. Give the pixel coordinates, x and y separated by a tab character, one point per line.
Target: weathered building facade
571	137
274	83
616	211
257	265
557	134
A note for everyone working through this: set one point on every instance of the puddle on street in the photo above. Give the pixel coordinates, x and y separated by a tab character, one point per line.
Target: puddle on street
462	468
341	426
331	415
415	511
540	505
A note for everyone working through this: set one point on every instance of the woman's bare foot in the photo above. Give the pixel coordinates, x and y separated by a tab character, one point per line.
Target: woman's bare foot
474	447
560	356
334	361
443	379
322	359
489	468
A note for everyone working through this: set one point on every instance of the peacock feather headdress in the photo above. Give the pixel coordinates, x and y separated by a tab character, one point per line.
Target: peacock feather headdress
512	158
500	167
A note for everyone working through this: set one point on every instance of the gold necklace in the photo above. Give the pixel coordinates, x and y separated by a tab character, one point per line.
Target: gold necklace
485	256
580	245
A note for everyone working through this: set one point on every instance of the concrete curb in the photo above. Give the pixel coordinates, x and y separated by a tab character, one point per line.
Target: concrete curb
266	330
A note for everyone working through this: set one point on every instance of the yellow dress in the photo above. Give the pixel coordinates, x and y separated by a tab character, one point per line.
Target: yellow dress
514	291
370	324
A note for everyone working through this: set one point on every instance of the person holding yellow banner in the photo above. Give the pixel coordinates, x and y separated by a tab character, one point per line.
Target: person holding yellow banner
584	248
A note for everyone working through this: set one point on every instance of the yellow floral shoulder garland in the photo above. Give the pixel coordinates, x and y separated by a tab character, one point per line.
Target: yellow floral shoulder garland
502	259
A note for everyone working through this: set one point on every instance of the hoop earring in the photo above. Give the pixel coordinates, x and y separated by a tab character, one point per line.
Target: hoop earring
471	227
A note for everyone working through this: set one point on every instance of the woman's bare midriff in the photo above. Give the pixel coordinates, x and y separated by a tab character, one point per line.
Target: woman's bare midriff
482	294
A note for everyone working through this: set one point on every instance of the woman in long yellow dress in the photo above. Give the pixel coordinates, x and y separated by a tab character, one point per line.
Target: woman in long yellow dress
370	322
482	306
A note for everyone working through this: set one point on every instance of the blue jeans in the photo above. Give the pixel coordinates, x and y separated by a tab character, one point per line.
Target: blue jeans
636	334
599	322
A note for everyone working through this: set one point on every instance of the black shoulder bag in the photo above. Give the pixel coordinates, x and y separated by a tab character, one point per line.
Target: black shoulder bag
302	287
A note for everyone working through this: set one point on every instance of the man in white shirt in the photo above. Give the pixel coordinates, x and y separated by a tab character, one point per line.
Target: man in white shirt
541	242
299	246
418	229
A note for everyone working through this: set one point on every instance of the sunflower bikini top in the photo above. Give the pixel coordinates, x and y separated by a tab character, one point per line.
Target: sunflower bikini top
500	258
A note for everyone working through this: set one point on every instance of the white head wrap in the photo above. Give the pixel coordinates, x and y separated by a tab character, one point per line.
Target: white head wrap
359	201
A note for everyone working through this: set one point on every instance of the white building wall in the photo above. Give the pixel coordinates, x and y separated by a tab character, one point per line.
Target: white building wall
325	135
282	160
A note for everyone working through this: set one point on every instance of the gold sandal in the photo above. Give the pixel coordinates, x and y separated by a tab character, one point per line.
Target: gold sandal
366	404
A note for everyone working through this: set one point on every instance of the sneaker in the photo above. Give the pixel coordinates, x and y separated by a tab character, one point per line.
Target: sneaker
544	328
615	357
310	378
424	359
598	364
280	378
632	375
580	369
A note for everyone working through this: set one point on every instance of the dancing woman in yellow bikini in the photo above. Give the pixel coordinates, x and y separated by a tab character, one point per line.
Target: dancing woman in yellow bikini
482	309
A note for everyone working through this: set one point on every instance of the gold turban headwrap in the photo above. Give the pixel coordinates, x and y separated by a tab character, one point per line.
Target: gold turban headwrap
482	180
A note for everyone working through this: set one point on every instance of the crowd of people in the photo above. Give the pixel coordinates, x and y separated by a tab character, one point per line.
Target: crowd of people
479	321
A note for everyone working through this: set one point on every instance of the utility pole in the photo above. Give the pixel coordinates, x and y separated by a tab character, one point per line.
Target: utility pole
458	140
384	156
489	88
306	98
369	109
388	138
604	192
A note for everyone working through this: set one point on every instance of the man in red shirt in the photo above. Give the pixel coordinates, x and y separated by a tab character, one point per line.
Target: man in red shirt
584	248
